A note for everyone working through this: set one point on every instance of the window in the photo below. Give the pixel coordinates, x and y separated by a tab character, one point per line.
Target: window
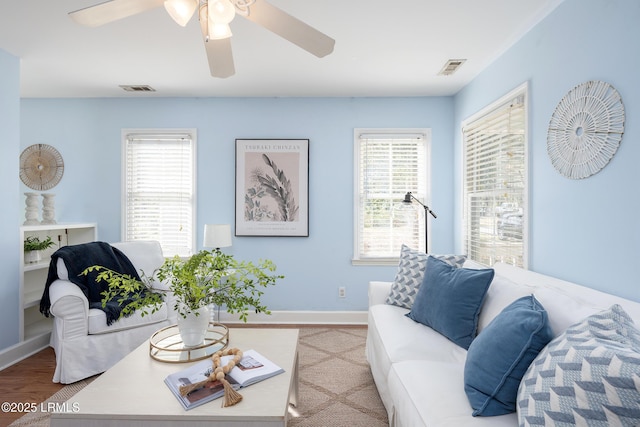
159	188
388	164
495	182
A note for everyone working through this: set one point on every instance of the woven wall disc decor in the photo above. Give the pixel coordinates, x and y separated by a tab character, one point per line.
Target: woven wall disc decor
41	167
585	129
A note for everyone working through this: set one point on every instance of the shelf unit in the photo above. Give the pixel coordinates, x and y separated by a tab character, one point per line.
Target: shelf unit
33	276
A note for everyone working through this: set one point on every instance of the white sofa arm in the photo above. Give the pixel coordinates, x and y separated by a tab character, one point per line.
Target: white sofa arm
378	292
70	307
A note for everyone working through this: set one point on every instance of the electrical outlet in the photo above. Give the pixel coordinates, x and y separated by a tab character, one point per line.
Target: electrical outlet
342	292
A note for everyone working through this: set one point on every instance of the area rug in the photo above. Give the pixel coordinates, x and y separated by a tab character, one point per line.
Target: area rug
40	417
336	388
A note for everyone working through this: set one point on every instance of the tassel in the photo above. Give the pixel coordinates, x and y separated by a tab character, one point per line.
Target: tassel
231	396
186	389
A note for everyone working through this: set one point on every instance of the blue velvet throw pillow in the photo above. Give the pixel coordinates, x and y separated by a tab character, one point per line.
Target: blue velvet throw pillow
501	354
449	300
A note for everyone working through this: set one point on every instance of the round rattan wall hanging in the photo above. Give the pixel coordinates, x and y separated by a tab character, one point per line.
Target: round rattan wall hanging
586	129
41	167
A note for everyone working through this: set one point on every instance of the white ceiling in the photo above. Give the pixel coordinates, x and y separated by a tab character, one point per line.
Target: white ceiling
383	48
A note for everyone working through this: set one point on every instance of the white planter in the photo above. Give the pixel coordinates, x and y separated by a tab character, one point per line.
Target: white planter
31	257
194	327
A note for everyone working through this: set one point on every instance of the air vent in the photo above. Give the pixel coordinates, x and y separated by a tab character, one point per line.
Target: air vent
137	88
451	67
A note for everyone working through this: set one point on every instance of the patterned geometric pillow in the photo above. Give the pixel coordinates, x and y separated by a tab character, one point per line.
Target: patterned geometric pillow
410	274
588	376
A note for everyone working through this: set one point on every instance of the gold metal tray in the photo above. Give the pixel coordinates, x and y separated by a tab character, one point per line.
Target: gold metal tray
166	345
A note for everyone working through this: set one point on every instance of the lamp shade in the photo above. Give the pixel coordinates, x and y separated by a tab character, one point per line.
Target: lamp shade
181	10
221	13
217	235
219	31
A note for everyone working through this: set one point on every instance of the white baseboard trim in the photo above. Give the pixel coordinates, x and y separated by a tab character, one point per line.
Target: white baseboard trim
299	317
17	352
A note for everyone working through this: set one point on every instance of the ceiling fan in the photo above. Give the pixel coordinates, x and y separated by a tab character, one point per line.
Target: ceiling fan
215	16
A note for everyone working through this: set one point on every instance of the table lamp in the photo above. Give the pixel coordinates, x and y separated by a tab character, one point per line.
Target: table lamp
217	236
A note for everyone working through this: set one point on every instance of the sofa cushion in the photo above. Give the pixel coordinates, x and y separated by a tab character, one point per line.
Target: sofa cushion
449	300
98	320
565	309
399	338
501	354
427	393
589	375
392	337
410	274
501	293
147	258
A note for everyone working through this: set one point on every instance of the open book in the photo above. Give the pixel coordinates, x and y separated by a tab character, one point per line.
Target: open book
253	368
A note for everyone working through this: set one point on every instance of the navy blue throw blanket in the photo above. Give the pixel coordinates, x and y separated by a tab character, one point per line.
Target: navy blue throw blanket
77	258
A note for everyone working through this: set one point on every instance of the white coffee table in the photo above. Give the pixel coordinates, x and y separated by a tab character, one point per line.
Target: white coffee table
133	391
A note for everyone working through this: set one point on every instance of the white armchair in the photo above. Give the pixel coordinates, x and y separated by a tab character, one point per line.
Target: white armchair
83	343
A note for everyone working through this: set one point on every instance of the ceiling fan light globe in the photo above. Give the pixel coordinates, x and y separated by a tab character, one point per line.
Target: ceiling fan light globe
181	11
219	31
221	11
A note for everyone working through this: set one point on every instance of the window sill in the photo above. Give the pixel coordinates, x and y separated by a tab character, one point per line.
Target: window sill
376	261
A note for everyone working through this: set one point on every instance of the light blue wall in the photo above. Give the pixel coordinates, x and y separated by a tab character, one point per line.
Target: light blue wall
87	132
581	230
584	231
12	214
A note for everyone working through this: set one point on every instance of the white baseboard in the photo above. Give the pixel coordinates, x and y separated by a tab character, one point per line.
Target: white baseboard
22	350
300	317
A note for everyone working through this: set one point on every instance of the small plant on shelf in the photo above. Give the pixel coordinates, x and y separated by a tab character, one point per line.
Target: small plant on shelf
33	243
33	248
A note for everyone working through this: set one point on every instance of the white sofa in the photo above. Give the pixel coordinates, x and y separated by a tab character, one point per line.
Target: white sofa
420	373
83	343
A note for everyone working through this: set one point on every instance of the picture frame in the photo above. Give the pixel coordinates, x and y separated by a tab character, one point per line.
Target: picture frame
272	187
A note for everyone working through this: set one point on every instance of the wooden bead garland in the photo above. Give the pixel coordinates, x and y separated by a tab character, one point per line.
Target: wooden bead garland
231	396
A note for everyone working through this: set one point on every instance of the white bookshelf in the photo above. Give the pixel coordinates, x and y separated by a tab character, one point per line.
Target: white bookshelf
33	276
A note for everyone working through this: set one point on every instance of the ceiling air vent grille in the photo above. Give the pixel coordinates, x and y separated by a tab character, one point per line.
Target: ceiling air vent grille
451	67
137	88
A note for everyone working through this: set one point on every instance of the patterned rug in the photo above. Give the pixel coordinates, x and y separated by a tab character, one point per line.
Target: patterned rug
41	419
335	384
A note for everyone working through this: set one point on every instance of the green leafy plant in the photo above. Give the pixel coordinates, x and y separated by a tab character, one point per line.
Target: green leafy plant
129	292
33	243
208	277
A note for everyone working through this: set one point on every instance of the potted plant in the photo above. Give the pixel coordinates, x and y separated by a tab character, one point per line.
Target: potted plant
33	248
208	277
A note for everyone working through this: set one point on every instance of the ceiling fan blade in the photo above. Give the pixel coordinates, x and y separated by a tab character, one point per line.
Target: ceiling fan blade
220	57
103	13
219	51
290	28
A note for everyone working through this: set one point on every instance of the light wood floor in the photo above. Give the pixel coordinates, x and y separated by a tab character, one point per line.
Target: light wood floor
28	381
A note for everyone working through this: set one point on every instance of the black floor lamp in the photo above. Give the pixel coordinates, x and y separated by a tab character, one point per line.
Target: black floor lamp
408	198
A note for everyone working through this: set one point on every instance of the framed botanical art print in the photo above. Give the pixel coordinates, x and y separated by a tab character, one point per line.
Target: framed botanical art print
272	187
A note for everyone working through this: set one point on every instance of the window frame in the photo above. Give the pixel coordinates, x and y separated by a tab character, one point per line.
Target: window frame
522	90
159	133
358	258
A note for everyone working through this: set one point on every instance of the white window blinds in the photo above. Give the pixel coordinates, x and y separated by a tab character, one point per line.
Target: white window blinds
495	183
388	165
159	183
